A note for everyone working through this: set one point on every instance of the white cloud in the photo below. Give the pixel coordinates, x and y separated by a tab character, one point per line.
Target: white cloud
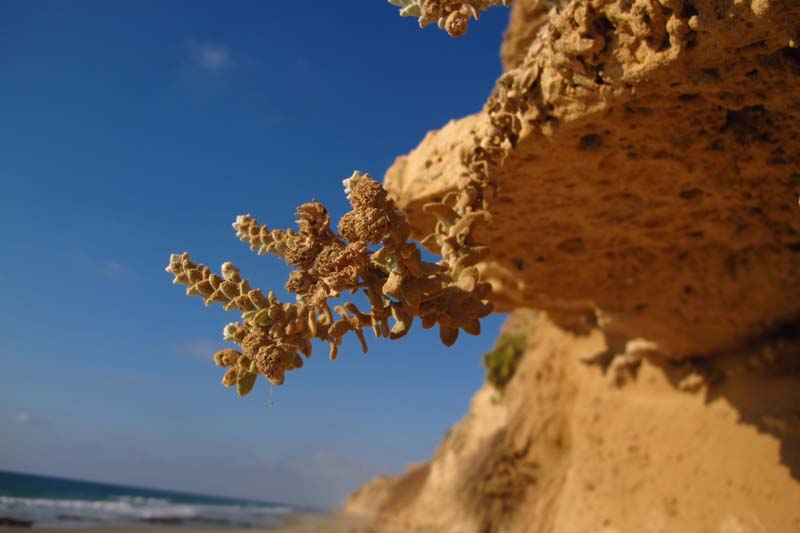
28	419
112	269
209	56
202	349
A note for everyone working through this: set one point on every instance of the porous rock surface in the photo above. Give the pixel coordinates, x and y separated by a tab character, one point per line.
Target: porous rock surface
656	177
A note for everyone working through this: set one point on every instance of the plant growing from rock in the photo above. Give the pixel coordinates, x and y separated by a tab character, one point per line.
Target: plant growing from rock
450	15
398	284
501	362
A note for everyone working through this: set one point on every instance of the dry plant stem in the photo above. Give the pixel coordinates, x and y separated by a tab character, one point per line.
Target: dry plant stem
398	284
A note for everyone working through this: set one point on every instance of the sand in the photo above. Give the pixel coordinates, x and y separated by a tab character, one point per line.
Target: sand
312	523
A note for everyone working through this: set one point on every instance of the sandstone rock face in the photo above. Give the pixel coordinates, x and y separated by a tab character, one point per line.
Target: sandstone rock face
648	202
655	178
385	493
639	447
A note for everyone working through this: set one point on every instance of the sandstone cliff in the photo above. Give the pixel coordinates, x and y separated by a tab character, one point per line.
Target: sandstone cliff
645	446
647	202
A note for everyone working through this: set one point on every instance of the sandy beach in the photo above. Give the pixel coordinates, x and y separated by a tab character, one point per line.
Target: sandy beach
306	523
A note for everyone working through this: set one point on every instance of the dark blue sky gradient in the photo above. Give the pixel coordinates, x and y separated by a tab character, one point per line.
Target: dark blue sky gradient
132	130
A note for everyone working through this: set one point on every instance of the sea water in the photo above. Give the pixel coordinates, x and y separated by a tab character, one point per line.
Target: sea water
55	502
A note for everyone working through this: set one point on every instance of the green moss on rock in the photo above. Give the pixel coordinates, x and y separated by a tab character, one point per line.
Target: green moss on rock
501	362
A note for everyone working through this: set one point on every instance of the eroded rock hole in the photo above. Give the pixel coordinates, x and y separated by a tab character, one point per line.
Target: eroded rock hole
793	55
691	194
591	141
749	124
665	44
712	73
572	246
605	28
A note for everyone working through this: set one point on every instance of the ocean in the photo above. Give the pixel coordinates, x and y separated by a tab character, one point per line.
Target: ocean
42	501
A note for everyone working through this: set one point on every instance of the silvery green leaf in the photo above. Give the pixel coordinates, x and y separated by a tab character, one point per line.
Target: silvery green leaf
412	10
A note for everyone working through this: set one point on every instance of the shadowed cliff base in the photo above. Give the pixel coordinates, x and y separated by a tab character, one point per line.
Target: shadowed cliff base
646	445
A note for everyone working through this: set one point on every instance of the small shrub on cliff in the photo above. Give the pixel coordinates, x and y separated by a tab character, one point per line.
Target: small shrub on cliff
370	252
501	362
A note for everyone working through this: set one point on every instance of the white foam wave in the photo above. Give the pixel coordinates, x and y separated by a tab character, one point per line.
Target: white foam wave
124	509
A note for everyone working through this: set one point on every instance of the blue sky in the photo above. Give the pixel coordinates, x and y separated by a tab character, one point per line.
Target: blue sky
129	131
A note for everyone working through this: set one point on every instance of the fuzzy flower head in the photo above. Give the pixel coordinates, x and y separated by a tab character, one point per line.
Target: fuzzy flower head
230	272
230	332
362	191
